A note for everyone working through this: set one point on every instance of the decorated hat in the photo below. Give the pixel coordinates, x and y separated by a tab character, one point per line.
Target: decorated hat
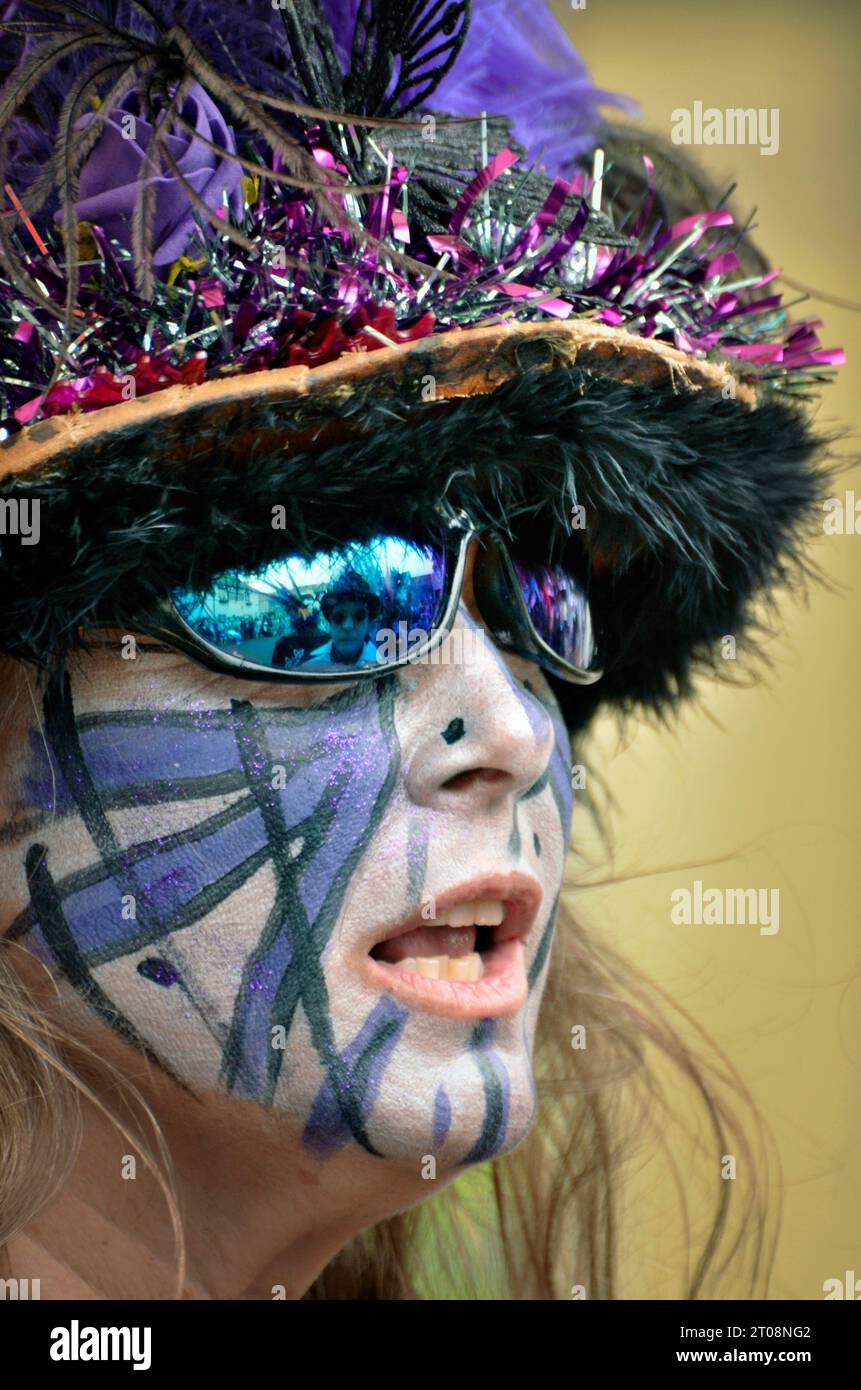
352	257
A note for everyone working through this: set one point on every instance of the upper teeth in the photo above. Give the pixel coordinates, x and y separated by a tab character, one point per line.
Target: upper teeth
482	912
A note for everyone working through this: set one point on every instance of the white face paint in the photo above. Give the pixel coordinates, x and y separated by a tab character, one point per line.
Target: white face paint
218	870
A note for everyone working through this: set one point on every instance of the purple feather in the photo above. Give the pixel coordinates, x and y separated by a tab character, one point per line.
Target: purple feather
519	62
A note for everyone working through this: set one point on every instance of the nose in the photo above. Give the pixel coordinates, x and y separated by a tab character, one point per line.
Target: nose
481	736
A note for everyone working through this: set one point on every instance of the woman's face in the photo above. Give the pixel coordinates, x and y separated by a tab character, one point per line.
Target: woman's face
334	900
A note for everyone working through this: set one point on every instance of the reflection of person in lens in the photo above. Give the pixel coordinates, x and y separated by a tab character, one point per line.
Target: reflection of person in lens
349	608
303	633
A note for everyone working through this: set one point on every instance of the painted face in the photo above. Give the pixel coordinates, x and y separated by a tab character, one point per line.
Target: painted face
226	873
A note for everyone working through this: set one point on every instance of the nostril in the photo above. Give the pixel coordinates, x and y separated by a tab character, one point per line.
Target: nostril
476	777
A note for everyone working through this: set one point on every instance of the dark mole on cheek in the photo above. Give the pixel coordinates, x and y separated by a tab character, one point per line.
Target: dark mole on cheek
537	843
454	731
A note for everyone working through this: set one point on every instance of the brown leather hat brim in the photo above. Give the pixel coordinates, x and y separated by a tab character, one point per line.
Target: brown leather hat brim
179	423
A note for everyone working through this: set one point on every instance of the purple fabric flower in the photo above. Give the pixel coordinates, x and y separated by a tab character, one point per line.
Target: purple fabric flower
110	178
517	61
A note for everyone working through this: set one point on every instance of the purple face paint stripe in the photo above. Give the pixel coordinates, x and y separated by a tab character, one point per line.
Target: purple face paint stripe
196	767
363	1063
117	758
544	944
110	758
162	886
256	1028
143	795
557	773
262	767
285	918
356	789
348	800
43	785
170	881
306	980
384	774
111	865
65	953
315	996
341	702
80	879
561	764
535	712
194	910
538	711
62	734
441	1117
170	891
497	1102
117	864
167	754
143	718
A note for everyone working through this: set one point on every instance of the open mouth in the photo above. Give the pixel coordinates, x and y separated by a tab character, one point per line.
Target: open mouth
468	960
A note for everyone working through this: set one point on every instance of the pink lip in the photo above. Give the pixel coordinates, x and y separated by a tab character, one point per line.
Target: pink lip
504	988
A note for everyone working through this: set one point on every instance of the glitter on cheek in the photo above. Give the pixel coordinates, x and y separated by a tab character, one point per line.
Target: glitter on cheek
261	978
175	880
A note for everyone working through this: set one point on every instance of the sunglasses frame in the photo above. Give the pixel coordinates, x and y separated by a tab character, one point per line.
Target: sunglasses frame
172	628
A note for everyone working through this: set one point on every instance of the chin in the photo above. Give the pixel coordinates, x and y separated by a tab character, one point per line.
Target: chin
428	1092
480	1127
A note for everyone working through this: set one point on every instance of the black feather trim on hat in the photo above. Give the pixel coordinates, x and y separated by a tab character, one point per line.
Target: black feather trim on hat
692	509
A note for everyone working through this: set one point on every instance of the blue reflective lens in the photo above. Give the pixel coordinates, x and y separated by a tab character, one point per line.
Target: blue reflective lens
361	605
559	610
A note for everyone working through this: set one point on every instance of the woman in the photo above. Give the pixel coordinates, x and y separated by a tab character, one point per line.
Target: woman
304	919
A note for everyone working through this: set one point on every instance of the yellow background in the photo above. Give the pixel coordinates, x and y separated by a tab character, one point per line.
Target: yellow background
764	779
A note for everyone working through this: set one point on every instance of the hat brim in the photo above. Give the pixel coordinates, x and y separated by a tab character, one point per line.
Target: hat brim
695	496
306	409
